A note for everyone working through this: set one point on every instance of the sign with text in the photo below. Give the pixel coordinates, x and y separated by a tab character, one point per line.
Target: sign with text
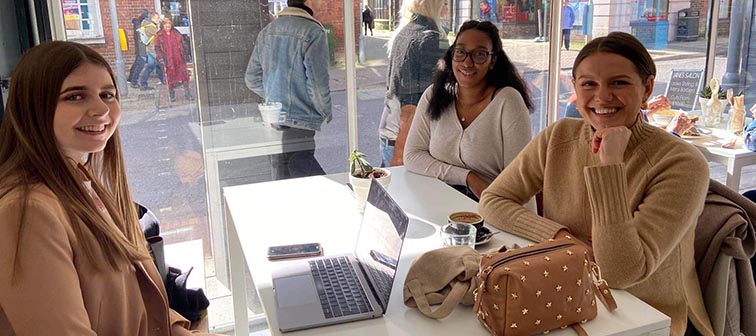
683	87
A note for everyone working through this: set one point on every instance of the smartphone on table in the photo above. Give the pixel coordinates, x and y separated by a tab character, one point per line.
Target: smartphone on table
294	251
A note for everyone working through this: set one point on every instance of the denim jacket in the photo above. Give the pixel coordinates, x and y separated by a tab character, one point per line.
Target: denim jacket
290	65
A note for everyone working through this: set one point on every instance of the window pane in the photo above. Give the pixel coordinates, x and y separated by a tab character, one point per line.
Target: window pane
81	19
672	32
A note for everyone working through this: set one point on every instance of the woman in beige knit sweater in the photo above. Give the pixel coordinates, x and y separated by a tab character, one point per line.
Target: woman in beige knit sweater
631	190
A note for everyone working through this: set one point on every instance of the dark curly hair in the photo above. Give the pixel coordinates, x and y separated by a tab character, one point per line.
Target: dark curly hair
503	73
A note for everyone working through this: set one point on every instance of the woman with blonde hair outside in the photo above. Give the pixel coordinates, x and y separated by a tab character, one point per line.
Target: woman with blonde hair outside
73	259
170	52
420	41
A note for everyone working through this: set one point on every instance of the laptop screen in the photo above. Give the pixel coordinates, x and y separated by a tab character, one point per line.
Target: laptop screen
379	243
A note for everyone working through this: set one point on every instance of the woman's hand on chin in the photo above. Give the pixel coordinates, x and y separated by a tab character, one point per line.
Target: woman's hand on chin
610	143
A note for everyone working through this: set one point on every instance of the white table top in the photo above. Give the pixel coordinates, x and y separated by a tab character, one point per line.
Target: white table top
712	144
322	209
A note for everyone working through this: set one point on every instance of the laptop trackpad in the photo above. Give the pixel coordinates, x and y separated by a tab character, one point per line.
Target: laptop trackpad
300	291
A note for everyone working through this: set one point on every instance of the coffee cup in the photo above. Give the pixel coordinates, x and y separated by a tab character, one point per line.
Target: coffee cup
466	217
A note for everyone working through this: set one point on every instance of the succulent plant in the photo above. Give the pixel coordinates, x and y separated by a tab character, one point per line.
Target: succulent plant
706	93
360	167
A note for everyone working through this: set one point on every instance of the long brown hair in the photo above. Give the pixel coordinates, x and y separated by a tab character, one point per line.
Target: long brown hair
29	155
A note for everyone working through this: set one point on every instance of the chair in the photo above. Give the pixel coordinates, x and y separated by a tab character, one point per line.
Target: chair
724	244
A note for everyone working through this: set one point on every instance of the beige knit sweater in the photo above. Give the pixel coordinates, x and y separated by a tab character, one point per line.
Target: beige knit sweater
639	215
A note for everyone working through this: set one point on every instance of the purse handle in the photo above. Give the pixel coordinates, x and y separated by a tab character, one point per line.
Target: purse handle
452	300
455	296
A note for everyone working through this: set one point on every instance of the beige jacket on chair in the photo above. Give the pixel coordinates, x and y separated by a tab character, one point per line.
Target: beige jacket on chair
725	242
56	290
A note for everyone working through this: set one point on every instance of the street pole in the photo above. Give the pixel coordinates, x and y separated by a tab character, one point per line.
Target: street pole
123	89
732	76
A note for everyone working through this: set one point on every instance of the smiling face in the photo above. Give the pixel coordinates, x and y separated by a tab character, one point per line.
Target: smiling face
468	73
609	90
88	112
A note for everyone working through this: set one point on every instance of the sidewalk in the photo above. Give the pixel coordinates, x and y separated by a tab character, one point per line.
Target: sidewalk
371	74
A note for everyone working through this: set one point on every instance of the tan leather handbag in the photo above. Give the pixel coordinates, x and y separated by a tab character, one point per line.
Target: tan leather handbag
444	276
534	289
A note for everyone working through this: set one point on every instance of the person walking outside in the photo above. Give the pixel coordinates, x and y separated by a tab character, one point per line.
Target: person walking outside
148	33
299	82
139	50
568	19
487	13
169	49
413	51
367	20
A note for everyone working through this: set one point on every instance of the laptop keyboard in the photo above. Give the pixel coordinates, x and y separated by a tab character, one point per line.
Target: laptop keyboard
381	280
338	288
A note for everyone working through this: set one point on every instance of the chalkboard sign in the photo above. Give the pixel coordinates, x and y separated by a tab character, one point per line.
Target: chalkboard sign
683	87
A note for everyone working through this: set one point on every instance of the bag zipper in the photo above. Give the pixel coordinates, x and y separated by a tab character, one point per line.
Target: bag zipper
506	259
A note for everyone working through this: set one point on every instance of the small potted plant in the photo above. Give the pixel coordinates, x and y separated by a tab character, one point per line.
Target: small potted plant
713	100
360	174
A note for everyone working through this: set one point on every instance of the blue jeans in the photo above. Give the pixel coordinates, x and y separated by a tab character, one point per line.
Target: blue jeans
387	151
566	38
136	69
151	65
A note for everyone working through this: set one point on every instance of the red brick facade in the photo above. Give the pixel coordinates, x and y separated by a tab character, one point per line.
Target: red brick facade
332	12
126	10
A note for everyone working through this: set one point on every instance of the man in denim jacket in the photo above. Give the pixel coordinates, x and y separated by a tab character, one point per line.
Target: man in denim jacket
290	65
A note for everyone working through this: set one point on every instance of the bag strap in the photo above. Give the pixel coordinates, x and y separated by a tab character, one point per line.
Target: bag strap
452	299
605	295
579	329
601	288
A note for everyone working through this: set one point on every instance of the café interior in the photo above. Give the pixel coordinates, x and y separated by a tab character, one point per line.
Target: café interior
205	167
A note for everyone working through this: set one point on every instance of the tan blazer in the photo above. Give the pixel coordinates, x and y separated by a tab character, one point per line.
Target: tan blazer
56	289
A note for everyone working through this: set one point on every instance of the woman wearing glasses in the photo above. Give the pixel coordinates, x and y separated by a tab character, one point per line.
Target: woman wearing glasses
474	119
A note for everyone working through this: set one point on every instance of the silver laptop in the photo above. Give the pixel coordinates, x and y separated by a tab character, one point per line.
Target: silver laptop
338	289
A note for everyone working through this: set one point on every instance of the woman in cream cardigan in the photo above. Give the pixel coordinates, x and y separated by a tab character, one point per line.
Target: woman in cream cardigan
474	119
631	190
73	259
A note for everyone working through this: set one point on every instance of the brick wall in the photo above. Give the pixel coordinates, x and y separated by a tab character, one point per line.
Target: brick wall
332	12
126	10
723	26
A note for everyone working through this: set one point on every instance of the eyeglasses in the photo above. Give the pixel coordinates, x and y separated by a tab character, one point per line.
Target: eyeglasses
477	56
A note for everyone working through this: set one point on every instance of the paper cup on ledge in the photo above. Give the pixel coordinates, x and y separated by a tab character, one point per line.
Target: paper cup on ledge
361	187
270	112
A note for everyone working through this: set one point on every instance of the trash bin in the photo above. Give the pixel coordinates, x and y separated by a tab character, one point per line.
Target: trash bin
687	24
331	43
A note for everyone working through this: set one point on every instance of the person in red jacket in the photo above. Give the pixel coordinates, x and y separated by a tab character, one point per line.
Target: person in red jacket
169	48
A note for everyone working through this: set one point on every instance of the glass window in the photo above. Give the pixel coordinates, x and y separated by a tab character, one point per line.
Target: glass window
186	138
82	20
669	30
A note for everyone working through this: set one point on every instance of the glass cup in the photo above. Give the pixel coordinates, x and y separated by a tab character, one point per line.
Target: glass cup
454	234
